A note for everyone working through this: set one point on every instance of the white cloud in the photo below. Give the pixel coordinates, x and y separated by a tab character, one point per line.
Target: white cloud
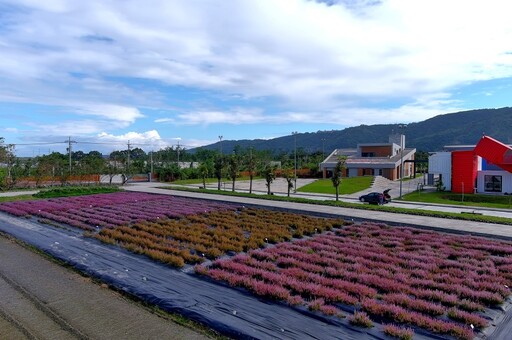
66	128
10	129
148	140
317	61
208	117
118	113
424	107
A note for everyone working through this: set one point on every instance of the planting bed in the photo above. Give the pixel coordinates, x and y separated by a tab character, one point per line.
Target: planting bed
110	210
320	272
442	283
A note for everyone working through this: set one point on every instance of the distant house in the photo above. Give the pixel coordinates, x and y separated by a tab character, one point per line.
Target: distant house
374	159
482	168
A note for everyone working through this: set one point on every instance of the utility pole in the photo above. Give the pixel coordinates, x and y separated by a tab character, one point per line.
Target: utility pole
294	133
151	155
402	146
69	141
220	144
128	159
10	153
178	152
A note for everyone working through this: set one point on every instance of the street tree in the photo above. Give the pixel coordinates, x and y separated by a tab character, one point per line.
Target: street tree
337	173
203	170
270	174
290	178
251	163
233	168
217	169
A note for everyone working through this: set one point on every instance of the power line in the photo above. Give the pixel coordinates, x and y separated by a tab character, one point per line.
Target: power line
36	143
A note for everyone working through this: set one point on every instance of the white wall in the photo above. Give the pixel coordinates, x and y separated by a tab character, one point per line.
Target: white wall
440	163
506	181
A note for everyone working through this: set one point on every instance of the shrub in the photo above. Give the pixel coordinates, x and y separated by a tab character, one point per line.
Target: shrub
399	332
316	304
360	319
330	310
467	318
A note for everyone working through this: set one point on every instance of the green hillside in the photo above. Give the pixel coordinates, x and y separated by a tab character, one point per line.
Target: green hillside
464	127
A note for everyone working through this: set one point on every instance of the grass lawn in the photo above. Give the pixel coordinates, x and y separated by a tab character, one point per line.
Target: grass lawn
16	198
347	186
194	181
442	197
209	180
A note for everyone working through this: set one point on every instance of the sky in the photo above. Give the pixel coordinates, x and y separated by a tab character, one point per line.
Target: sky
159	73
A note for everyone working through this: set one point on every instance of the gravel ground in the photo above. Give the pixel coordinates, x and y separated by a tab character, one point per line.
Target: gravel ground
42	300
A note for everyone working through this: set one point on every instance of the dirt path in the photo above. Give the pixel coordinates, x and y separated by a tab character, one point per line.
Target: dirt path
41	300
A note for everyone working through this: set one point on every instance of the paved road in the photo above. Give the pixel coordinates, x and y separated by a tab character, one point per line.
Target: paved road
279	187
18	193
42	300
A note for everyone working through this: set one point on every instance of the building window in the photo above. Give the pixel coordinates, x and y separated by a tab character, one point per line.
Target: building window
492	183
368	154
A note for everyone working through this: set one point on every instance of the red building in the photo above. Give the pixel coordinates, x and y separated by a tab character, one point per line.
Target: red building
484	168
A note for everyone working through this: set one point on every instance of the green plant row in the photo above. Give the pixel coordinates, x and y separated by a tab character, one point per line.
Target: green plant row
429	213
16	198
441	197
505	200
75	191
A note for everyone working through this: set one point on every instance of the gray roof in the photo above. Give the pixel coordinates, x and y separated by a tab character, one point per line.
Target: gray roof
368	162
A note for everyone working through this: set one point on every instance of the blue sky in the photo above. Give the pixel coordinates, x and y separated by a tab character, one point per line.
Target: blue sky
162	72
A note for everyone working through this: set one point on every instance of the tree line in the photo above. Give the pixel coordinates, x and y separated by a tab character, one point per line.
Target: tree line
169	164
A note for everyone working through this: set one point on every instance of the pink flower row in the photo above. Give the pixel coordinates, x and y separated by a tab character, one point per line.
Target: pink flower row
355	264
110	210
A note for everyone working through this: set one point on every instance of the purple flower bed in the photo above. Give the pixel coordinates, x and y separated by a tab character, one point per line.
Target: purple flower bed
442	283
111	210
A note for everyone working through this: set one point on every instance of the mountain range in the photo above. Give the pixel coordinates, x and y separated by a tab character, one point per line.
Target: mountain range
465	127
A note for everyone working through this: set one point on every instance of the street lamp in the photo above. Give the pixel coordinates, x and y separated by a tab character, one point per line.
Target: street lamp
294	133
402	145
220	143
178	151
323	149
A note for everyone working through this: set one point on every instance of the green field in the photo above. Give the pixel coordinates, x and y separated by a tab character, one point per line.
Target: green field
444	197
209	180
348	185
16	198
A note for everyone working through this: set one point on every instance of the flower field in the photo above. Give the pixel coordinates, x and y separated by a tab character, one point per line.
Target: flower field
110	210
404	278
441	283
193	238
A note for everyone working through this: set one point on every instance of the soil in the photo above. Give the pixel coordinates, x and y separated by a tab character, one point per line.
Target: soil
42	300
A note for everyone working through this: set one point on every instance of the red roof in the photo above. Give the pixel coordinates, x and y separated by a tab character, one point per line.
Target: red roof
495	152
